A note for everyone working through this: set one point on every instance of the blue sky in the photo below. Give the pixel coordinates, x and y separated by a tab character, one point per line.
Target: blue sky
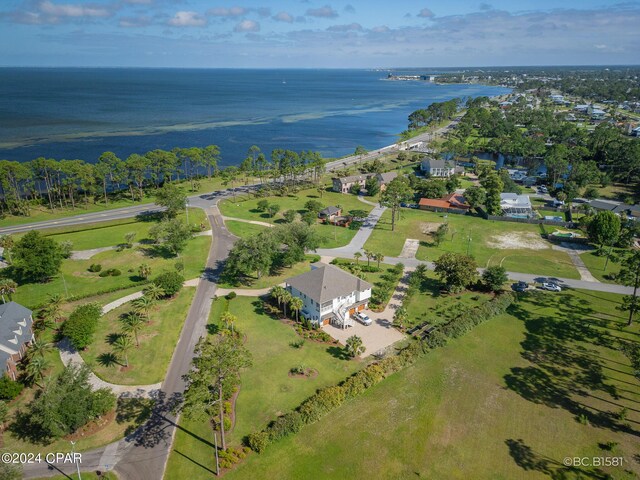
325	33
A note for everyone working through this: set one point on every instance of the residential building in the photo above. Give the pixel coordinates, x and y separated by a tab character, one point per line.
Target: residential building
438	168
452	203
330	294
630	211
330	213
344	184
385	178
15	335
514	205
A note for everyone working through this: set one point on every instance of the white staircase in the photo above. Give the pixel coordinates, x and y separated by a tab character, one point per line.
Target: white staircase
341	320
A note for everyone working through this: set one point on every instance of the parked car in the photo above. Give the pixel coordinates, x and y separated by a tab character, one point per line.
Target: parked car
552	287
413	205
543	189
363	318
519	286
557	203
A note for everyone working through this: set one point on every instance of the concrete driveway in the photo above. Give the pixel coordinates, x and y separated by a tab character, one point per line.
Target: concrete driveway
377	336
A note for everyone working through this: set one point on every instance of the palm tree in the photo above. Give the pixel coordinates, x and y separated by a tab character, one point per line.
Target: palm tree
286	298
296	305
133	322
143	306
154	292
354	346
357	271
7	287
228	319
357	256
53	310
378	257
144	271
38	349
369	254
122	345
35	369
277	293
400	316
7	242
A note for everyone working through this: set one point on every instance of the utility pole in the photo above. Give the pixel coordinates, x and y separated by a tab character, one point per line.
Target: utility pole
74	459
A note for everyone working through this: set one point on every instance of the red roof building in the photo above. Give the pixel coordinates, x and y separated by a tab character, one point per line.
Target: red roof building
454	203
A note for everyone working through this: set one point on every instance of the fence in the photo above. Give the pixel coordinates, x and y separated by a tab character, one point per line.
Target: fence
530	221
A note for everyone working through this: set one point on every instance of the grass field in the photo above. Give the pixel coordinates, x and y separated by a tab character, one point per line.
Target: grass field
243	229
596	265
79	281
501	403
42	213
429	305
149	362
481	238
266	387
247	208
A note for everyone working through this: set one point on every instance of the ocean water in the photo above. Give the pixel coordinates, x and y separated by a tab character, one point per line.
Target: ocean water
79	113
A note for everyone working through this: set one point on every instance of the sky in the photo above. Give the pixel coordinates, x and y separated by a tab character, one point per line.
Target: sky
317	34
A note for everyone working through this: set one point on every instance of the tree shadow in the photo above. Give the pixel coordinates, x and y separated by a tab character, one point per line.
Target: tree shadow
157	428
134	410
204	467
157	251
111	338
108	359
529	460
338	352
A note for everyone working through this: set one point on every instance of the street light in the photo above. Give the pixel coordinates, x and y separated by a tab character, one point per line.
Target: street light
74	459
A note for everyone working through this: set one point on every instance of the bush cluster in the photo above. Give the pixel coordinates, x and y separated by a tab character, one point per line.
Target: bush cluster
82	324
9	389
170	282
330	398
95	267
229	457
111	272
382	291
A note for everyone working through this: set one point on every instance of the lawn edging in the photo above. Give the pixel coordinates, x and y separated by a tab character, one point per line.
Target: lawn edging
328	399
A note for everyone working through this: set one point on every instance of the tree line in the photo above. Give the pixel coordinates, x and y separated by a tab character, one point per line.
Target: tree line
63	184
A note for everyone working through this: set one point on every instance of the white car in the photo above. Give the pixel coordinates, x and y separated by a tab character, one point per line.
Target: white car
363	319
552	287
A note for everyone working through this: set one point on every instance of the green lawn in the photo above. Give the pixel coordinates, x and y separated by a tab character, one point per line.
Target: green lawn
429	305
85	476
596	265
149	362
499	403
243	229
266	388
246	208
42	213
80	281
483	234
276	278
107	234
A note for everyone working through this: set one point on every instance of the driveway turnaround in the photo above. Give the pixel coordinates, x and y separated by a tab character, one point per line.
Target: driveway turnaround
376	337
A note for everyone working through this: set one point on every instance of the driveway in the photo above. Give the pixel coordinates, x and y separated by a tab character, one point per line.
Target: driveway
377	336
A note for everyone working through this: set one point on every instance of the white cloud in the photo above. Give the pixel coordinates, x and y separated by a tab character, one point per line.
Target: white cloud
425	13
283	17
322	12
73	10
187	19
247	26
133	22
227	12
352	27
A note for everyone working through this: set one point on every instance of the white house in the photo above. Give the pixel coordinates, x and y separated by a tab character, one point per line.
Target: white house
438	168
514	205
330	294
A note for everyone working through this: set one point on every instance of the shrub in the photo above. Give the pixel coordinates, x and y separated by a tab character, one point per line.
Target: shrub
81	325
230	295
298	370
170	282
322	403
314	258
95	267
258	441
111	272
9	389
285	425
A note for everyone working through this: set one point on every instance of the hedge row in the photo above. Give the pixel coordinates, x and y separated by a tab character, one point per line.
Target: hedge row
330	398
382	291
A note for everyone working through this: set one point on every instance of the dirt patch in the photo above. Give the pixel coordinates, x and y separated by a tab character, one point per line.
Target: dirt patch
309	374
518	241
126	369
92	427
429	227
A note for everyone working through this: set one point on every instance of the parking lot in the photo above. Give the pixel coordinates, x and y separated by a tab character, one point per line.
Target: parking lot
377	336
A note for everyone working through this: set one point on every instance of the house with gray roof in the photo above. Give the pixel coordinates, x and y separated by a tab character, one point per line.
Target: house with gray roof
385	178
437	168
329	294
15	335
344	184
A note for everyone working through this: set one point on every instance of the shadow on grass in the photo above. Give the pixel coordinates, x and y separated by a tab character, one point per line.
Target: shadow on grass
155	251
108	359
133	410
527	459
338	352
566	367
195	462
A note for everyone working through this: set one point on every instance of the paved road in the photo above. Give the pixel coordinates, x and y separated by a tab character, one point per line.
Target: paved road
143	454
